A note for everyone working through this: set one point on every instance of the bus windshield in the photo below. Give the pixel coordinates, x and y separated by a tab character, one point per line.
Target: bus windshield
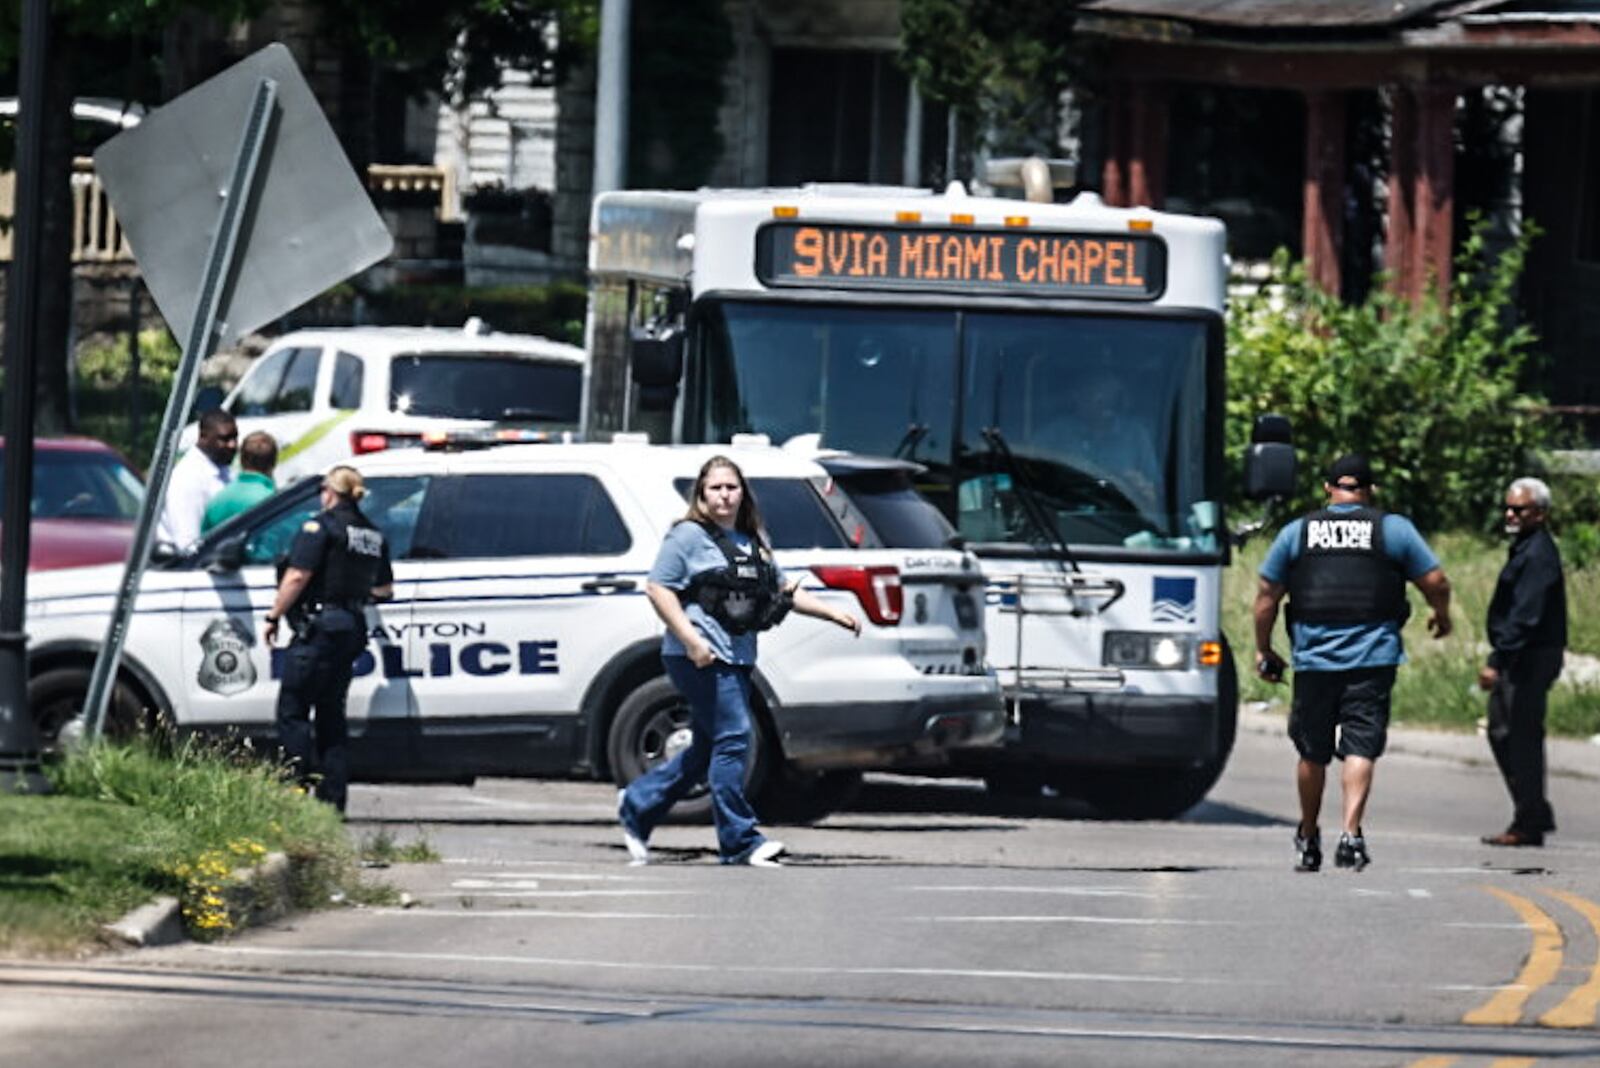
1105	421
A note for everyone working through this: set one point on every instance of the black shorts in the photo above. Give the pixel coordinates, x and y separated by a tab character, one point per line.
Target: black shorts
1356	702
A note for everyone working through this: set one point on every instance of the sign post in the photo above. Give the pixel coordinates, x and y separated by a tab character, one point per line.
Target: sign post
213	298
293	219
19	740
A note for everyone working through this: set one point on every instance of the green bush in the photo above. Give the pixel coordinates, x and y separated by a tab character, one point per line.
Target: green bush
1432	393
555	311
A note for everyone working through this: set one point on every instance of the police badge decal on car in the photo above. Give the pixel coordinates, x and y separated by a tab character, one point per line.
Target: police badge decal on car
225	667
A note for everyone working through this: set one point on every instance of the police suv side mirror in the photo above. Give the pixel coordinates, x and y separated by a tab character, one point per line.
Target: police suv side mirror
1270	463
228	555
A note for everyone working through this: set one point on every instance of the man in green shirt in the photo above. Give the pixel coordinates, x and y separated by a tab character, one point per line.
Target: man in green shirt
258	455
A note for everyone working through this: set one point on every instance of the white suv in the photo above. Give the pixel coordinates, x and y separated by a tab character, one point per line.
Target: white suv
328	395
520	641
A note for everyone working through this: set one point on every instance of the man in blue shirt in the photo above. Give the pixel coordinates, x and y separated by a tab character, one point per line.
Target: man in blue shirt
1344	569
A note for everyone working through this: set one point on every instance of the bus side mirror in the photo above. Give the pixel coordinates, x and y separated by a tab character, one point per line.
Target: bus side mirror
1269	463
656	356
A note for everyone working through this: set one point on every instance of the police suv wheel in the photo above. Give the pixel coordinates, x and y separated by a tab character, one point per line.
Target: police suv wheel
56	697
651	727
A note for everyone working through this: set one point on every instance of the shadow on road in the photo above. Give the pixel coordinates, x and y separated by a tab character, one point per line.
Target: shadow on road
960	797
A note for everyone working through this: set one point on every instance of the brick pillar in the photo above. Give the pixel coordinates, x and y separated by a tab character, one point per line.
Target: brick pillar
1400	232
1433	203
1322	228
1147	149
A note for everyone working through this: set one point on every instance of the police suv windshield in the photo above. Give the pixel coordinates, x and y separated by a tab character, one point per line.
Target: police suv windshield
1110	422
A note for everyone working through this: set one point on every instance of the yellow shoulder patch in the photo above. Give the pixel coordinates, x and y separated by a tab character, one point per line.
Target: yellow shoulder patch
312	526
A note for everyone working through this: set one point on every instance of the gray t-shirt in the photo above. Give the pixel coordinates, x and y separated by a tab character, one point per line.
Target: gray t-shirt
686	551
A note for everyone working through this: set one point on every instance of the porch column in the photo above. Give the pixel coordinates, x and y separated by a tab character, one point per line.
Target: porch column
1147	155
1399	235
1433	203
1114	171
1322	228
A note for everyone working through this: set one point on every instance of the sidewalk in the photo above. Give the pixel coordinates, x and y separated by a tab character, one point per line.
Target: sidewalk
1575	758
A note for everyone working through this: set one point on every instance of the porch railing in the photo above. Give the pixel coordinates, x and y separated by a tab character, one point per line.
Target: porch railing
97	237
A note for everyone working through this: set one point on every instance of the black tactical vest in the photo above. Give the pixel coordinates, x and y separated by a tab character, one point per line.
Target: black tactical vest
743	595
1343	575
355	556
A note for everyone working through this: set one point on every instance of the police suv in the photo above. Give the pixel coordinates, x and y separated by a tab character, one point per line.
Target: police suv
520	642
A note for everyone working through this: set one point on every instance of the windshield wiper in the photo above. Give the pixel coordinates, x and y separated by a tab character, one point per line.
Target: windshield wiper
1036	512
913	436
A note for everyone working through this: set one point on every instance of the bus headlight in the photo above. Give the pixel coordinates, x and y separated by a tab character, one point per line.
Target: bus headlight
1147	651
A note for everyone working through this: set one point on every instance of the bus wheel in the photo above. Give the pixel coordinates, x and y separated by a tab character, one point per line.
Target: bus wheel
57	696
1164	794
650	728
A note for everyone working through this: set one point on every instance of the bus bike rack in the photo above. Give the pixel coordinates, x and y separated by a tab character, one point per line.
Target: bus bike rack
1067	593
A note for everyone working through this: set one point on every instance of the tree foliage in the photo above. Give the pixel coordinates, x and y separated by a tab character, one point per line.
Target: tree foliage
1002	63
1432	393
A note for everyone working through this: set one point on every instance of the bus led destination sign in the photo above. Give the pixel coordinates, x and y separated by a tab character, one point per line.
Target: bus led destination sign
1125	266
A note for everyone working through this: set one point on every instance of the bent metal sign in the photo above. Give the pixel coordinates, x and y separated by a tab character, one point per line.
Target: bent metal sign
1118	266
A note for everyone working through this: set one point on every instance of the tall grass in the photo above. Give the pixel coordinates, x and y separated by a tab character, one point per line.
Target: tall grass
1438	685
129	821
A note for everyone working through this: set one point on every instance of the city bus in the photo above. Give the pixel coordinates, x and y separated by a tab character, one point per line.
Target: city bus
1055	370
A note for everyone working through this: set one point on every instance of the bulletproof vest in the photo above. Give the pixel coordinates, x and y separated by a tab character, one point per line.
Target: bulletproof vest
355	553
1343	574
743	595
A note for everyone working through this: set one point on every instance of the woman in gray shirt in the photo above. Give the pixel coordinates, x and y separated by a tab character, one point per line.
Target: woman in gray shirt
710	661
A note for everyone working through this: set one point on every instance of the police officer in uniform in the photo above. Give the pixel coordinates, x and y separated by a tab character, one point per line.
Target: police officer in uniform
338	564
1344	569
715	586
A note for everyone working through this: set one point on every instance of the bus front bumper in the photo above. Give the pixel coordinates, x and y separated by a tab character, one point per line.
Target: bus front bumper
1107	730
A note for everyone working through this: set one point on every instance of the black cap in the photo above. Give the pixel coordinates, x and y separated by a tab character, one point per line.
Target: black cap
1351	465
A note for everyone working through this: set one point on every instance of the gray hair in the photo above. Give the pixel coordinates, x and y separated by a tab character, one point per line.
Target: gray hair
1535	489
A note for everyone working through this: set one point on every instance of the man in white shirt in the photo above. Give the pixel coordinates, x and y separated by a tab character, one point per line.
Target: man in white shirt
197	477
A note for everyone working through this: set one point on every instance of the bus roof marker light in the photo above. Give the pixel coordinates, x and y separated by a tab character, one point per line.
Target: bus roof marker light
962	218
908	216
785	211
1016	220
1141	226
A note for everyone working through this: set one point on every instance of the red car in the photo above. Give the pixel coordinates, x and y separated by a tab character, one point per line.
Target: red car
86	500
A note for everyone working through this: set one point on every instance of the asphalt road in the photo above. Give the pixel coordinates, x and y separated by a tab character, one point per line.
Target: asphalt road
929	925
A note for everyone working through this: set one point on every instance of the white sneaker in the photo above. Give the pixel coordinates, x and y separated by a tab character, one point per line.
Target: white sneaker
638	851
765	855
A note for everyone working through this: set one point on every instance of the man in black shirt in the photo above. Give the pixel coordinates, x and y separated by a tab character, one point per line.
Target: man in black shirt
338	564
1528	632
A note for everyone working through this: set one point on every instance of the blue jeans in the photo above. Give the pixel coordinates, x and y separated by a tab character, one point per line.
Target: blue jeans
719	716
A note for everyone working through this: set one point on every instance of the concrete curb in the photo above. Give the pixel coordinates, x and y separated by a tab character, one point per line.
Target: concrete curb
255	896
1566	757
157	924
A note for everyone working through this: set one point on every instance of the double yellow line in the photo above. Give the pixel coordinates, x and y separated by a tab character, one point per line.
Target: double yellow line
1579	1008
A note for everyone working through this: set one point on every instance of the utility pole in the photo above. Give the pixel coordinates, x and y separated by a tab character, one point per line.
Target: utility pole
611	98
19	739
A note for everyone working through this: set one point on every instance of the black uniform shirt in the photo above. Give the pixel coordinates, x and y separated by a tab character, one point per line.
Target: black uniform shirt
328	534
1529	609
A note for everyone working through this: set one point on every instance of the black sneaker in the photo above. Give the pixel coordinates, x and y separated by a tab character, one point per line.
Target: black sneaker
1352	851
1309	851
